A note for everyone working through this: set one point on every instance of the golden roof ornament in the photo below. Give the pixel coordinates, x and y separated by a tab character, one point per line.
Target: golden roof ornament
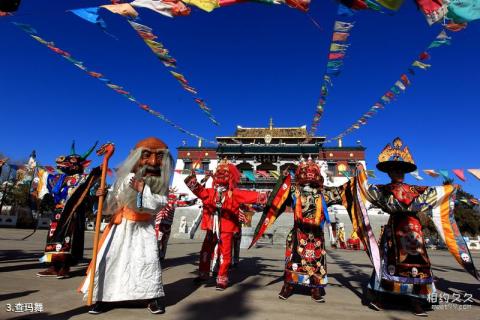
393	157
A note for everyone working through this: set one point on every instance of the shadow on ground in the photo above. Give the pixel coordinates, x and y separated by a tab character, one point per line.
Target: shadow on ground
9	296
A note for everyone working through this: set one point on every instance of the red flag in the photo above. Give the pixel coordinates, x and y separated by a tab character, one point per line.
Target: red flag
405	80
460	174
424	56
336	56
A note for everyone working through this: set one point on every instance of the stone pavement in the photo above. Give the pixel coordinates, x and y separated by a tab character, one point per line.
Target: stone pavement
252	294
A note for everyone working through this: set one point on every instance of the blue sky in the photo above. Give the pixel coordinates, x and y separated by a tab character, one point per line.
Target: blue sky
249	62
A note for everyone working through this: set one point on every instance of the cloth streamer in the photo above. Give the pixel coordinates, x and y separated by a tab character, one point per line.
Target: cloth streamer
118	89
338	49
398	87
146	33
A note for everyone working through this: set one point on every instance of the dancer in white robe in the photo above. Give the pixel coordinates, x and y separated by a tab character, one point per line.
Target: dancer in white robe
128	266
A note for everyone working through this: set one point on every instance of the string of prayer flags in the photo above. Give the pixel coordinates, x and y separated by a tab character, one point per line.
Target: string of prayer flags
99	76
146	33
397	88
459	173
338	49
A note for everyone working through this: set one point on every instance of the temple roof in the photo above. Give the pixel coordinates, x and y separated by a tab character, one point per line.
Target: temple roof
293	132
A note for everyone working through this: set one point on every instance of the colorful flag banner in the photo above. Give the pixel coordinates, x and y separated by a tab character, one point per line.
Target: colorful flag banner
118	89
146	33
338	49
398	87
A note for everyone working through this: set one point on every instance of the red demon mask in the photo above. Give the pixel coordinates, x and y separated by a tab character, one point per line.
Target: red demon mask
308	172
226	175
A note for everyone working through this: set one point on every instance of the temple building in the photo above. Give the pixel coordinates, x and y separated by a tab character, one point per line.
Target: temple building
261	154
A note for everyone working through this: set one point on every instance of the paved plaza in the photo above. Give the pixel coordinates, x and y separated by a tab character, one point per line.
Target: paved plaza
252	294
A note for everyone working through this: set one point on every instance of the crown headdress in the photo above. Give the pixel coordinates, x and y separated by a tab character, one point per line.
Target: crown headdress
394	157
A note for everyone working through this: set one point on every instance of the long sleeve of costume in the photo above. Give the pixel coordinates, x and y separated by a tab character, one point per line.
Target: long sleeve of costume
166	214
196	188
353	195
438	203
250	197
151	201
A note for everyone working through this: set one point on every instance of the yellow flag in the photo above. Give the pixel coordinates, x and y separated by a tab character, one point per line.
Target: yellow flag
207	5
421	65
391	4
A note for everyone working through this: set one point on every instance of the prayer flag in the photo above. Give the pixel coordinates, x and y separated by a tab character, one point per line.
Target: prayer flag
158	6
459	173
206	5
475	173
416	175
391	4
124	9
443	173
431	173
421	65
340	36
91	15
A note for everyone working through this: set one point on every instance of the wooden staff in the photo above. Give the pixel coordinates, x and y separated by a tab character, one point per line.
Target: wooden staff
106	150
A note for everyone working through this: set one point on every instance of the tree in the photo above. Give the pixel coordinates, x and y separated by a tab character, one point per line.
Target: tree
466	215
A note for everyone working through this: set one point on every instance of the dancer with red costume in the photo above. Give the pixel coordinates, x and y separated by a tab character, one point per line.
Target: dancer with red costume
220	218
